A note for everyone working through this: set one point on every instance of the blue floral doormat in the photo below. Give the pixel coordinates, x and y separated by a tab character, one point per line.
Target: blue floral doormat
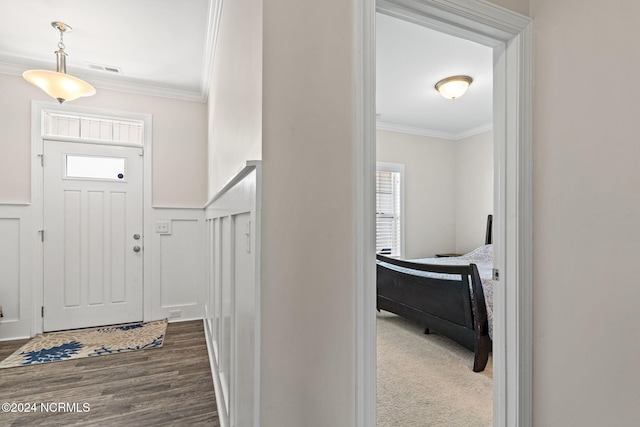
74	344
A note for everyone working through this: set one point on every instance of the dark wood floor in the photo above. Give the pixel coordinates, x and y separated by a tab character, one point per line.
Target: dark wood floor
169	386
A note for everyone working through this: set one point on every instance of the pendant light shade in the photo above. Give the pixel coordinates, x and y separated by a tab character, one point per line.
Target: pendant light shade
58	84
453	87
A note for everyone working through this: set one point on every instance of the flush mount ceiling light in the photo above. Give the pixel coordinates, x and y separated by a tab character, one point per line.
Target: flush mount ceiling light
58	84
453	87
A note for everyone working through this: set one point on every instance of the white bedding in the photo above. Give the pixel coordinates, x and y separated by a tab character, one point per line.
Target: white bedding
483	258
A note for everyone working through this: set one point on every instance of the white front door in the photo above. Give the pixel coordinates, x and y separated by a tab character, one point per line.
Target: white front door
92	235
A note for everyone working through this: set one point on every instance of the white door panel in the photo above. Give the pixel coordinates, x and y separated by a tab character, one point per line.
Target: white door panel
92	275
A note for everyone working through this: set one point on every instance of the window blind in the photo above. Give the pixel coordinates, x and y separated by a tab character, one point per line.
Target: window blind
388	216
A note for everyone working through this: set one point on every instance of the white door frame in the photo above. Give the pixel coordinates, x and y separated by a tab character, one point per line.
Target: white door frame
37	193
511	37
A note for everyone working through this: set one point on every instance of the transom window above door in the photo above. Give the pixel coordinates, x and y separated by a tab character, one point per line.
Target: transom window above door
96	128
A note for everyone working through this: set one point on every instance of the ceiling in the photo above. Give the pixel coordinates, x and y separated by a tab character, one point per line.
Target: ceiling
410	60
160	46
164	48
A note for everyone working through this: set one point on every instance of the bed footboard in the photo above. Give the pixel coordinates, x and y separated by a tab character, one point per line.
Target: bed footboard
444	298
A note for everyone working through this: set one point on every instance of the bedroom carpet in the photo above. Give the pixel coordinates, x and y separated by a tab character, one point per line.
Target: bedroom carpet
426	380
78	343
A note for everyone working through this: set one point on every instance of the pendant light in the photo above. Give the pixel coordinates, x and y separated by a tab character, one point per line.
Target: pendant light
453	87
58	84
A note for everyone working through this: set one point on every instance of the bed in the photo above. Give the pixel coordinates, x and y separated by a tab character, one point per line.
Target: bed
452	296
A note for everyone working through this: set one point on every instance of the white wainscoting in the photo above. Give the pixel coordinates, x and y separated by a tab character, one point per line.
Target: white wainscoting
16	254
232	302
177	270
178	274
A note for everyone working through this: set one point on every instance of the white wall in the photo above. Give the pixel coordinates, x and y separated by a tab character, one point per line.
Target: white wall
308	258
430	186
586	213
474	190
15	139
448	190
520	6
235	97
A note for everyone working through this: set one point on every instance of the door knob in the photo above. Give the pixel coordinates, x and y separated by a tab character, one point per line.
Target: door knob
136	236
136	248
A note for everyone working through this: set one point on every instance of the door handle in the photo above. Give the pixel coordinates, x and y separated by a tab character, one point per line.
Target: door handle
136	248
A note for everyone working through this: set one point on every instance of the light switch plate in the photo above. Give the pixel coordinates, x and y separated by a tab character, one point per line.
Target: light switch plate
163	227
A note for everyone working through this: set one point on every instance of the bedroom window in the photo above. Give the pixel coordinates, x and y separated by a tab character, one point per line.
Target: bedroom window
389	183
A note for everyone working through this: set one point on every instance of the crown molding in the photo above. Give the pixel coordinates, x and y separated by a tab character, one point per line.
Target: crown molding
454	136
213	29
474	131
122	86
8	68
146	89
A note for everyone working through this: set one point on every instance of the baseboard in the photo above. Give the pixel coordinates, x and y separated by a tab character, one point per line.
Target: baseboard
222	415
14	338
186	319
15	330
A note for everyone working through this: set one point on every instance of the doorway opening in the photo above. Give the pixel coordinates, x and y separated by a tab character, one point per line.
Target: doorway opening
510	37
445	149
91	199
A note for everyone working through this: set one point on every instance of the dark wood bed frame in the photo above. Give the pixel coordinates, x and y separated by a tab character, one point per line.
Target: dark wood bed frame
451	308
